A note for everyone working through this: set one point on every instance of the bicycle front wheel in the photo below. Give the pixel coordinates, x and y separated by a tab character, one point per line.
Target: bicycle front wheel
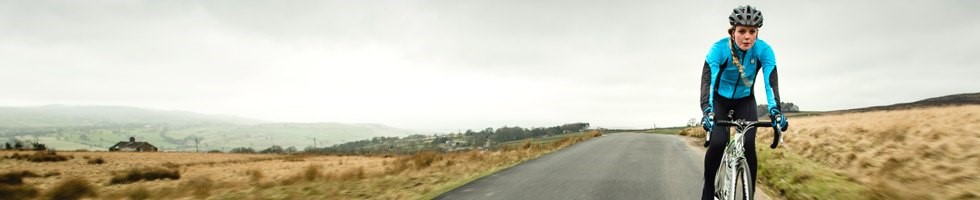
744	182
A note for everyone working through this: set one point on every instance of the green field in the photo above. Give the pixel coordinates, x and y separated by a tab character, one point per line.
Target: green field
99	127
212	137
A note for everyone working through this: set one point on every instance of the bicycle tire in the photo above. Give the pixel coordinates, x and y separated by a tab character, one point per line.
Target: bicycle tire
721	186
745	176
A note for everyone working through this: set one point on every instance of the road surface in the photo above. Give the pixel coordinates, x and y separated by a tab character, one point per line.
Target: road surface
615	166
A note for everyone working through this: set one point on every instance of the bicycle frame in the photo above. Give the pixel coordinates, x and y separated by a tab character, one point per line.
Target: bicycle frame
733	163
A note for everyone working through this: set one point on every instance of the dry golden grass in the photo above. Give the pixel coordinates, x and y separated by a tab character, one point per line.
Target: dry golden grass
923	153
256	176
419	176
71	188
100	174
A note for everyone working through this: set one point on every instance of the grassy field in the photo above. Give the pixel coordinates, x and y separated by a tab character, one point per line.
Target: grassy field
258	176
899	154
920	153
213	137
544	140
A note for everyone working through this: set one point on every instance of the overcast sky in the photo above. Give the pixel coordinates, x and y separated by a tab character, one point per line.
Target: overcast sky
457	64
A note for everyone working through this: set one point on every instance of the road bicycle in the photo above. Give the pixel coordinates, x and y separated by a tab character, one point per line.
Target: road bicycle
734	177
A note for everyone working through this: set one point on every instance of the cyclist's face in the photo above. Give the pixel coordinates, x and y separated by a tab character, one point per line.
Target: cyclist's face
745	36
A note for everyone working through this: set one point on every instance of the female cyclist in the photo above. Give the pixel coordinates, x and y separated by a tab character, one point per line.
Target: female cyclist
727	81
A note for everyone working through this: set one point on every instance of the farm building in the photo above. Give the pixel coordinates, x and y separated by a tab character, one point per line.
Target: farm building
133	145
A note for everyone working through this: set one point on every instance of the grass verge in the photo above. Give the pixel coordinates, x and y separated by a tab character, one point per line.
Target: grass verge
795	177
459	183
557	142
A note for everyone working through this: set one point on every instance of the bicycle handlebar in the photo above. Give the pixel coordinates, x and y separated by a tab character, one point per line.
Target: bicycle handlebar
747	124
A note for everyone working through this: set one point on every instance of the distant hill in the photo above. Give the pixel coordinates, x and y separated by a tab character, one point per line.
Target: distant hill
98	127
62	115
949	100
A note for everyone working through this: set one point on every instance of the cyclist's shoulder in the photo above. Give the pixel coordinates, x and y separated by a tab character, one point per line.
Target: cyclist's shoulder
762	43
719	50
762	48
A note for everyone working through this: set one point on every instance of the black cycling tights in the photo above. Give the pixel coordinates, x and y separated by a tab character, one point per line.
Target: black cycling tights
744	109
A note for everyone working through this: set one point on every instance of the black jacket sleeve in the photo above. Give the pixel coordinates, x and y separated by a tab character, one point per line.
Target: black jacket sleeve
705	86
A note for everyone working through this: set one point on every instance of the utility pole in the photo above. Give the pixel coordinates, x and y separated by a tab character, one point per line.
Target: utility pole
314	142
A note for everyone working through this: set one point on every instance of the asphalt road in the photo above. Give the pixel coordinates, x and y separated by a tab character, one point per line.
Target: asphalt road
615	166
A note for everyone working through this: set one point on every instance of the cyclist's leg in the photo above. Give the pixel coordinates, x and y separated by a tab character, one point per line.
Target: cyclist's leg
716	147
745	108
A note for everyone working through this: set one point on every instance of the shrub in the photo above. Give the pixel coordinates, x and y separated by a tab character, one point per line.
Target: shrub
276	149
96	161
40	156
242	150
397	166
15	178
50	174
72	188
419	160
38	146
17	191
138	193
199	186
254	175
595	133
13	156
352	174
423	160
311	172
150	173
12	185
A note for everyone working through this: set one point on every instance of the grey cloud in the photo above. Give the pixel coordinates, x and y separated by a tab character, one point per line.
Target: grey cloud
635	61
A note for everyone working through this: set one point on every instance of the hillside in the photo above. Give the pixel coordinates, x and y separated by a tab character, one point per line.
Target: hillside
949	100
98	127
61	115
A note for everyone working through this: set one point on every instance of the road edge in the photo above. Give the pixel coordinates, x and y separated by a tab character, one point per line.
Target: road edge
440	192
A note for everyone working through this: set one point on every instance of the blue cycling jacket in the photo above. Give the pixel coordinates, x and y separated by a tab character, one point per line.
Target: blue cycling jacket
720	75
